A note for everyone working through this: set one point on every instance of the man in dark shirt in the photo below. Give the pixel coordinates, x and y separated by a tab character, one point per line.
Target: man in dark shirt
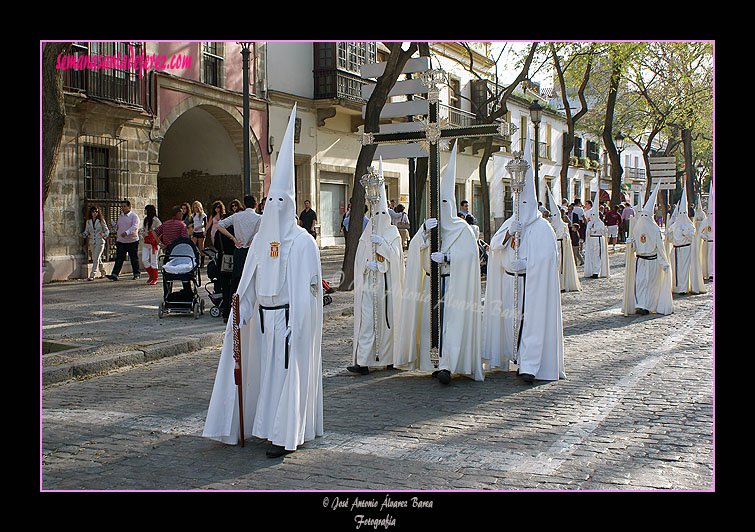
307	219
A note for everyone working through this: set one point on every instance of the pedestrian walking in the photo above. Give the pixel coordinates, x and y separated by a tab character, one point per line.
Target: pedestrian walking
216	214
186	216
127	241
626	213
613	219
198	227
150	245
97	231
307	218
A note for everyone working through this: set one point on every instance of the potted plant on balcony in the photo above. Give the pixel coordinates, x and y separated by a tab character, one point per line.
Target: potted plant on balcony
585	162
573	161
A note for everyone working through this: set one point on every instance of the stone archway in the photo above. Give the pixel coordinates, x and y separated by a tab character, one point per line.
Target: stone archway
201	156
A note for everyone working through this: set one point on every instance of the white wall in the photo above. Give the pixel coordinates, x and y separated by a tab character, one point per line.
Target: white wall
289	68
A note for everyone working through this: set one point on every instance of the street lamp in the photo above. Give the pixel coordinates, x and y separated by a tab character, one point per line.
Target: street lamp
247	164
618	140
536	114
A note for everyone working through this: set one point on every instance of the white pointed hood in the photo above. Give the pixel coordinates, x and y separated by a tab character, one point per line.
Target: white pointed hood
528	208
451	225
278	226
555	210
649	208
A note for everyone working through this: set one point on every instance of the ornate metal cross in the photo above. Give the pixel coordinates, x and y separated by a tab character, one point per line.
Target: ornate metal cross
430	132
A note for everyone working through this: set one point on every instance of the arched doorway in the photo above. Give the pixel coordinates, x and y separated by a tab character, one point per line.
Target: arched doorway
201	157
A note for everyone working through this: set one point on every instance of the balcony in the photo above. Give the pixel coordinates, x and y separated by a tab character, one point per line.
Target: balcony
119	85
338	84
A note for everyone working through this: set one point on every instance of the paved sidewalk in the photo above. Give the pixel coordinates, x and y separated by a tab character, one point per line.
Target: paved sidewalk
93	326
636	412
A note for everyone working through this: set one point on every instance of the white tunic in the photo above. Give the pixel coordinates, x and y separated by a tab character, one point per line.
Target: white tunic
647	285
281	404
541	343
461	326
596	249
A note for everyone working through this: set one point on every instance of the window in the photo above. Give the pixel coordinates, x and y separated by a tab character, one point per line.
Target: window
352	55
114	77
479	96
454	99
212	63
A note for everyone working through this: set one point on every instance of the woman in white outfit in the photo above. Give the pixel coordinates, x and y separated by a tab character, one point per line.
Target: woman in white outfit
97	231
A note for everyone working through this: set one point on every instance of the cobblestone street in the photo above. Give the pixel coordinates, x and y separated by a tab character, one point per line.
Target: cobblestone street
634	413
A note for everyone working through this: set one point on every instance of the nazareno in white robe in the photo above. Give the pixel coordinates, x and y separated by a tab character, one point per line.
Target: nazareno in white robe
283	405
461	329
541	344
390	277
596	249
684	257
646	284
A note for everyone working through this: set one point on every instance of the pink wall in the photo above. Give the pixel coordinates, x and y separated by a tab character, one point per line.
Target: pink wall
233	81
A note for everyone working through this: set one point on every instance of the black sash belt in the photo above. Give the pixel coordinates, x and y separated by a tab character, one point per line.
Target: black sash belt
262	323
600	248
524	291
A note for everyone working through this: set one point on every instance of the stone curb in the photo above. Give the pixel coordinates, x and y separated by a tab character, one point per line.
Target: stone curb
98	364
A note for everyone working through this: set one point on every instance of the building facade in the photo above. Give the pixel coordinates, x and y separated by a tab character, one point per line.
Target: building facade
157	123
168	129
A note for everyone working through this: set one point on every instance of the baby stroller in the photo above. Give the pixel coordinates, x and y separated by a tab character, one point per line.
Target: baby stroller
181	263
216	295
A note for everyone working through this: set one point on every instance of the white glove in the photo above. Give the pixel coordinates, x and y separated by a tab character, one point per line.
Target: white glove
515	227
519	265
372	265
438	257
430	223
377	239
665	267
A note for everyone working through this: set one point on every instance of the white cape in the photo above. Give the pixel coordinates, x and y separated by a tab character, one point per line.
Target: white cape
390	276
596	249
461	329
646	284
541	345
295	415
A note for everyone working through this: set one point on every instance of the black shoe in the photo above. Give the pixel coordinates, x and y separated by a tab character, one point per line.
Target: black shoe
112	277
444	376
356	368
526	377
595	276
276	451
137	276
642	311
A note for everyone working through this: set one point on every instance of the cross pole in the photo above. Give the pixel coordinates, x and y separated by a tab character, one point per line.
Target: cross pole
429	134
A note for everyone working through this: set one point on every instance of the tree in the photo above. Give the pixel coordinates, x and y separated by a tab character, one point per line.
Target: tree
53	111
395	64
583	59
487	112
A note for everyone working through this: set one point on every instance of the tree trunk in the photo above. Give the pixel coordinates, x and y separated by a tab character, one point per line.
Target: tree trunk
53	111
385	82
485	189
613	154
689	167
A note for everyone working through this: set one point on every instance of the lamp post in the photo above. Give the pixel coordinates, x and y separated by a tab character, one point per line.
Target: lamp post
517	168
536	114
247	164
372	183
